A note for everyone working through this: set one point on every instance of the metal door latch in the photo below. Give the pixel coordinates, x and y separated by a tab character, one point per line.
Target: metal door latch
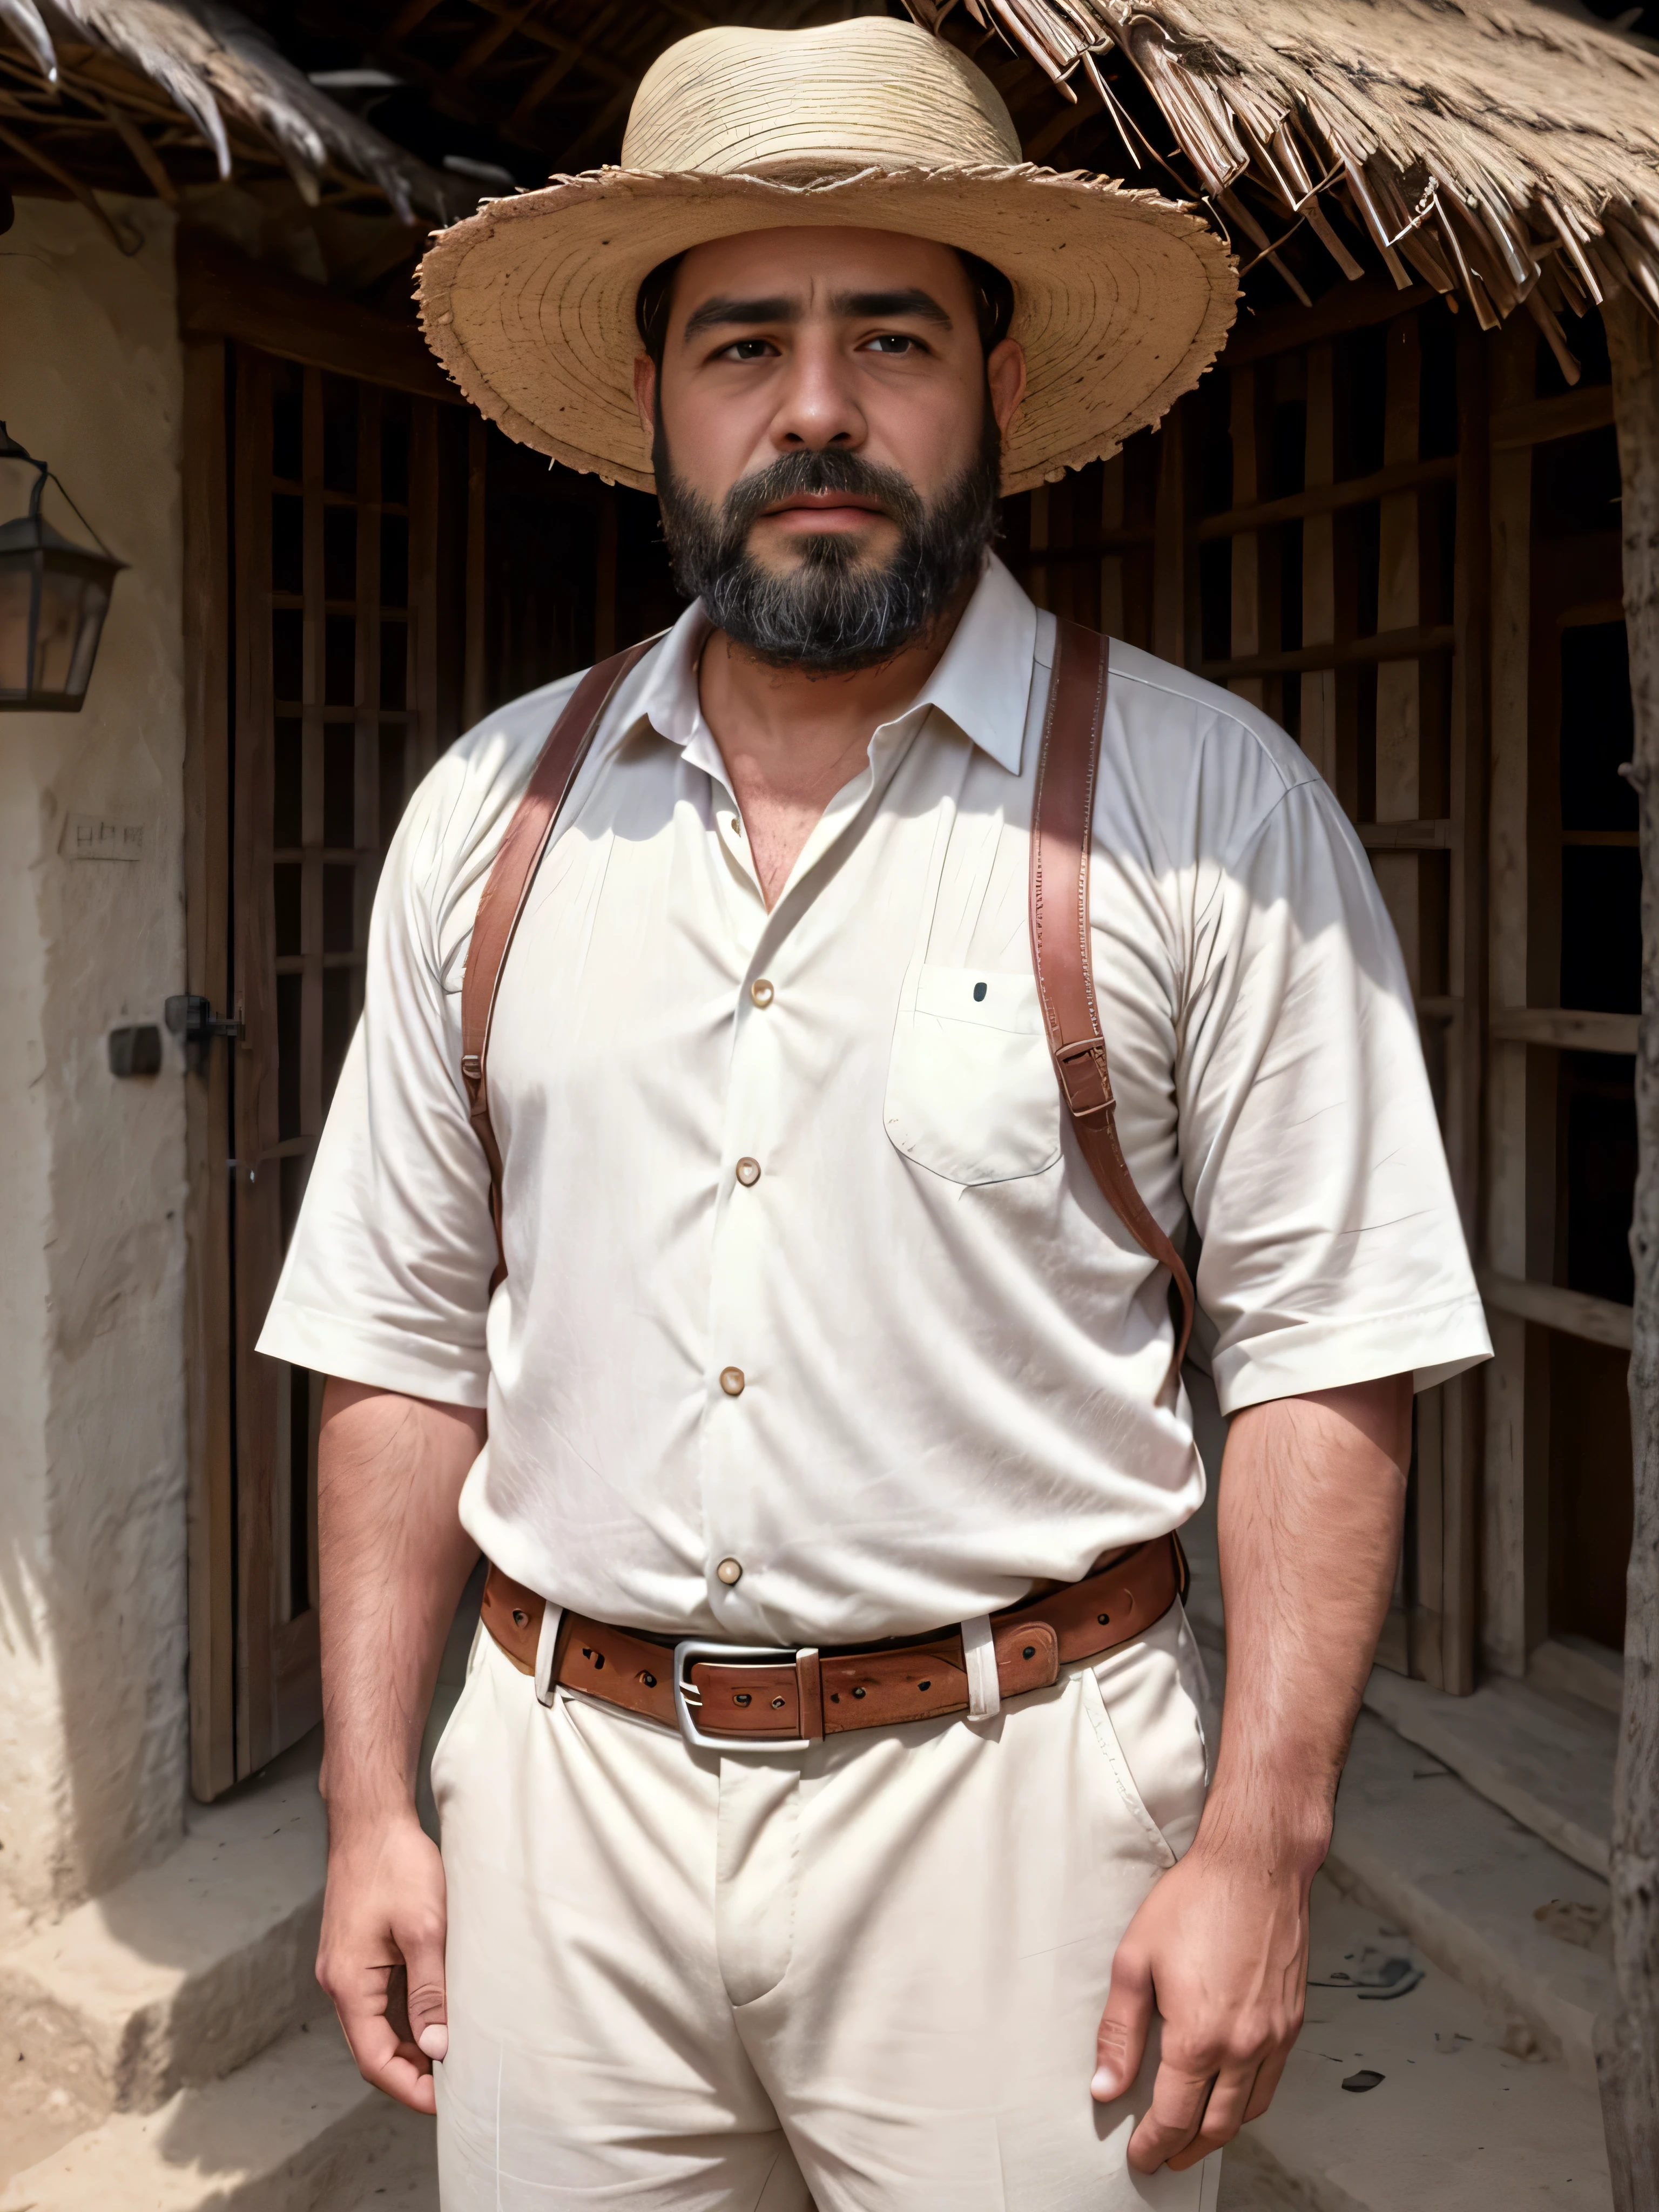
191	1017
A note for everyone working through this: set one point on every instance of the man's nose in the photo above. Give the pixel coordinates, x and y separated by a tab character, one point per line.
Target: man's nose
818	404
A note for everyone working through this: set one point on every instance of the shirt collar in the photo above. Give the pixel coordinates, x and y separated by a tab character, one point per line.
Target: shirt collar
982	682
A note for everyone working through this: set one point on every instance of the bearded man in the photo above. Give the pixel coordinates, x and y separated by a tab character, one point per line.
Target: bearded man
729	1136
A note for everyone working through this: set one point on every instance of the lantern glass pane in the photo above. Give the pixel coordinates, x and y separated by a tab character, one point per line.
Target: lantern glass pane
59	632
17	588
95	606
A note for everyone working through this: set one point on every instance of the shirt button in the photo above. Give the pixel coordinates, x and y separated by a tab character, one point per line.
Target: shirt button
748	1173
731	1382
761	991
730	1572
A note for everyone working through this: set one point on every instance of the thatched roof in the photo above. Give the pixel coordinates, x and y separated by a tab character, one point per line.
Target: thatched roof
204	70
1504	150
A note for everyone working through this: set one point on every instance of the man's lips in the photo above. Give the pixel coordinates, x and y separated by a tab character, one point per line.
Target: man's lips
820	508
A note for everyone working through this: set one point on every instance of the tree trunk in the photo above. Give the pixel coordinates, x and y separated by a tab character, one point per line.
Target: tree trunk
1628	2045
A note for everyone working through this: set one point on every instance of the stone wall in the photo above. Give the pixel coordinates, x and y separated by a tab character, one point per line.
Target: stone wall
92	1719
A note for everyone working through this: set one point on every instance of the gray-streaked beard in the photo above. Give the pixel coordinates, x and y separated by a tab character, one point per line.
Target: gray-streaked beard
832	611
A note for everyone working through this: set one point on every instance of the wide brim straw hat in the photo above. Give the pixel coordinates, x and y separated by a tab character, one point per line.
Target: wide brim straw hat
1121	299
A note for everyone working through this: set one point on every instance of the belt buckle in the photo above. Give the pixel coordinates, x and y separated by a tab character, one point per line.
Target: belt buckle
688	1697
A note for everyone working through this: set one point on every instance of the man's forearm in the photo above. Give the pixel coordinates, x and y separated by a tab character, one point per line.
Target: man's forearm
392	1559
1312	1498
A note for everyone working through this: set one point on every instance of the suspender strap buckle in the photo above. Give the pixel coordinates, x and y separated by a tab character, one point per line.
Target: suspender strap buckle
1083	1078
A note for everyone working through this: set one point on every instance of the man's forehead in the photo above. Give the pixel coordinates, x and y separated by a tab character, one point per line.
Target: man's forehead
805	262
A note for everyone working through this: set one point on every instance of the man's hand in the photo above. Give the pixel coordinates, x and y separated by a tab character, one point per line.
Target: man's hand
1312	1498
381	1958
394	1559
1220	1949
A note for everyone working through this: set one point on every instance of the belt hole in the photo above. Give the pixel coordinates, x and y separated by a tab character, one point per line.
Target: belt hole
858	1693
521	1619
835	1697
777	1704
649	1680
740	1696
598	1660
924	1685
1104	1618
1029	1652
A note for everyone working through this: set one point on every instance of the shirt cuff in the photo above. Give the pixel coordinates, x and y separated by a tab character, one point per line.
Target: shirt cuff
381	1359
1429	1343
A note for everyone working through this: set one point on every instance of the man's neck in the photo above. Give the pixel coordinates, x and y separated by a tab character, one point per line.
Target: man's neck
791	738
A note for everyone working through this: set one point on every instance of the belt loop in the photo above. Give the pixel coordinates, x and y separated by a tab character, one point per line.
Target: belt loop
979	1649
547	1644
810	1682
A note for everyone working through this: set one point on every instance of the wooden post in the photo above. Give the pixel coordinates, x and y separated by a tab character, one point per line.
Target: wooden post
1628	2046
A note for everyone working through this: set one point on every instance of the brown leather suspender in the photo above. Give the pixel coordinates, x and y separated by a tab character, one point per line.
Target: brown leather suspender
1062	819
508	887
1062	815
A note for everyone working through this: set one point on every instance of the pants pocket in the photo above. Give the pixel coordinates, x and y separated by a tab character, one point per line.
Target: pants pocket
1143	1705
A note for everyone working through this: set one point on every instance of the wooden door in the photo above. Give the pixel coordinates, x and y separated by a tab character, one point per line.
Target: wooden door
369	567
321	574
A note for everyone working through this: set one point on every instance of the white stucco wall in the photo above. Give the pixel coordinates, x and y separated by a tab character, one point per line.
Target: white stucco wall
92	1723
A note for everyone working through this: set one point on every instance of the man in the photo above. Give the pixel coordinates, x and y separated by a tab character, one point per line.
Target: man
810	1335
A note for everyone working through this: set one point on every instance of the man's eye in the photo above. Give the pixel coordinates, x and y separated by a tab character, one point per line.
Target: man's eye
892	342
749	350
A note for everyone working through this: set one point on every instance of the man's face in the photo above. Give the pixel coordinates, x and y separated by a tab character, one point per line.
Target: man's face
826	429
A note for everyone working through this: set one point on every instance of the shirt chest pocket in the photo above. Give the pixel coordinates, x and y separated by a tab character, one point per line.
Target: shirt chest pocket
971	1093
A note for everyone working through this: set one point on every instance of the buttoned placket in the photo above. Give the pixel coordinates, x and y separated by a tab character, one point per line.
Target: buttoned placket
759	1077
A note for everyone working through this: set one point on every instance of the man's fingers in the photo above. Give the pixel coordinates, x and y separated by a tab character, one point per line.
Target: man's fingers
384	2056
1222	2116
1122	2041
422	1948
1267	2081
1179	2096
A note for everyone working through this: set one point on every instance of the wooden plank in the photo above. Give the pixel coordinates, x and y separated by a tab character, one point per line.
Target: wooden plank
1565	1029
1537	422
1573	1313
1246	639
1318	732
473	701
313	695
423	736
1113	488
1468	742
366	837
223	295
1326	499
1348	653
208	1305
1435	834
1348	308
1514	1457
1169	546
258	1215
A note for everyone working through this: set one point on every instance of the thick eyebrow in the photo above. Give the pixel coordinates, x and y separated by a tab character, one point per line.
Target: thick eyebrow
723	311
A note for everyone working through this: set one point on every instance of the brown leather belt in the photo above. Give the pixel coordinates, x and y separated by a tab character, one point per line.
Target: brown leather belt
724	1694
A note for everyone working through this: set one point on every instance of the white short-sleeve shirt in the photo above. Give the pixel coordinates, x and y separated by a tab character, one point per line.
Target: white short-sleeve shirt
948	1348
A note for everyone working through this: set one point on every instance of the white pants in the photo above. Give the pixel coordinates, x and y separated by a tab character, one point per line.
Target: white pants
865	1977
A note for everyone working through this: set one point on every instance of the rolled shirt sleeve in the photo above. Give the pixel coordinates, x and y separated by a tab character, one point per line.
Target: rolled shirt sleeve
1332	1249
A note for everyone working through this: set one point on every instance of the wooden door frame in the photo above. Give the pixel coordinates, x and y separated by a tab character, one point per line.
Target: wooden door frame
238	1703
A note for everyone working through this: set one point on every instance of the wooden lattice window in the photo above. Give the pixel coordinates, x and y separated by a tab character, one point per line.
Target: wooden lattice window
1309	529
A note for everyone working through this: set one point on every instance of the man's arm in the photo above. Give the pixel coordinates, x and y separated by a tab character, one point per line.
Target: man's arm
1312	1498
393	1561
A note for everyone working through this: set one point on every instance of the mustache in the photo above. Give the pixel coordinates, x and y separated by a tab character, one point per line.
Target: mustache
831	470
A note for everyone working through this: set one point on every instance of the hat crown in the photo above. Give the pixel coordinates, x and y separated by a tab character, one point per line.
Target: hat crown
871	93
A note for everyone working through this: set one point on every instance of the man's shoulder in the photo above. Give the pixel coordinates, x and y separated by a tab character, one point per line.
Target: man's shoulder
1157	703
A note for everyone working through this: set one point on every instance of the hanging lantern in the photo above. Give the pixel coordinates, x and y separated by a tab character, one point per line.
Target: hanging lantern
54	595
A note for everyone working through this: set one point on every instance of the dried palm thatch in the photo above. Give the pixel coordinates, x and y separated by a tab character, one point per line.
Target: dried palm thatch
220	70
1506	150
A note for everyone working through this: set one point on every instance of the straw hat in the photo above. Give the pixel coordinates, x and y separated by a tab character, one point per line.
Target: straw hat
1121	299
